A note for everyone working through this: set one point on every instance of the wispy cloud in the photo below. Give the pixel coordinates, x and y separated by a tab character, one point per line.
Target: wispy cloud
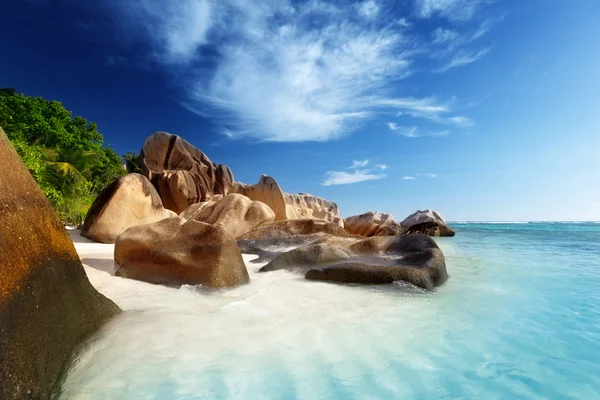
463	57
345	178
441	35
368	9
421	174
455	10
176	30
414	132
359	164
288	71
359	174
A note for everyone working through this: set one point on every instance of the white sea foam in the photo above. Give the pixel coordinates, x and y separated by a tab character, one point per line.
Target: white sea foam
503	326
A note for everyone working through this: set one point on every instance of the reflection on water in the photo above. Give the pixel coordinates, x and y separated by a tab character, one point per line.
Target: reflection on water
518	318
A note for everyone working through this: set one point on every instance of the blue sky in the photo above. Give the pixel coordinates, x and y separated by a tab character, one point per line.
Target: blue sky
480	109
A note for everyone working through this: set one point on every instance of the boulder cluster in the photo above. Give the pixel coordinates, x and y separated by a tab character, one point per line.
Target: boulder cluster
184	219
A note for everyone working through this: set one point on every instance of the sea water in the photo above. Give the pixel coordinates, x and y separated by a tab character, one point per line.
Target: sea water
519	318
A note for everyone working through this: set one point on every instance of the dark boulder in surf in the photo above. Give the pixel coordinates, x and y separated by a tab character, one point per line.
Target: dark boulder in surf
429	222
415	259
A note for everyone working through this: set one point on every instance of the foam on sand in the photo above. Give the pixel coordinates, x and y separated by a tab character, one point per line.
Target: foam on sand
507	324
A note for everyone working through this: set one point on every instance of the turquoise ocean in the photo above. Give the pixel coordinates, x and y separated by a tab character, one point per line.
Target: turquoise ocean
519	318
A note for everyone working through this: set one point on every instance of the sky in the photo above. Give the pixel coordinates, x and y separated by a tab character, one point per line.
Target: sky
484	110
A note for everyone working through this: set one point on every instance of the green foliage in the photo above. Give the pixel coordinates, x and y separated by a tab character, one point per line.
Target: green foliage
63	153
132	162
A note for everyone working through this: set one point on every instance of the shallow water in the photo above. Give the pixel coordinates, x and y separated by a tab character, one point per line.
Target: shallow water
518	318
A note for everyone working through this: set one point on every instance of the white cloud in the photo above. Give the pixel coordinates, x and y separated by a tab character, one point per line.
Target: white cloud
441	35
368	9
427	174
288	71
463	57
359	164
359	174
414	132
403	22
345	178
487	26
175	29
409	178
454	10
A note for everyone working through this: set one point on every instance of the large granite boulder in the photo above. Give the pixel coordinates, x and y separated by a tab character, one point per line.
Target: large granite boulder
295	227
289	206
373	224
237	213
182	174
129	201
415	259
47	304
175	252
428	222
303	206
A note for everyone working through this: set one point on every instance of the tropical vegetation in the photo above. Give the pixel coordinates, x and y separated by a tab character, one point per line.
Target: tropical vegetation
64	154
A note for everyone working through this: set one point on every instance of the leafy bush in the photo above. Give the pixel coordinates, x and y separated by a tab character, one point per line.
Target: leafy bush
64	154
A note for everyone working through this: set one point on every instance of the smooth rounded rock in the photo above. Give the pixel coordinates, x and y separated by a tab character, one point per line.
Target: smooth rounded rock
429	222
237	213
175	252
373	224
129	201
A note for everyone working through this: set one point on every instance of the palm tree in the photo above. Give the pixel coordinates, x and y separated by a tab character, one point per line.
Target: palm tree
68	168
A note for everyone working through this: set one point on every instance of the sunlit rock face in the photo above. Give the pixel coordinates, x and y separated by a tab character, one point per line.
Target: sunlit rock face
373	224
182	174
295	227
303	205
289	206
429	222
237	213
129	201
176	252
47	305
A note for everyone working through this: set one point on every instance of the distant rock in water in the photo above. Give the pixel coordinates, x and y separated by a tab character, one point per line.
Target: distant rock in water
415	259
47	304
237	213
129	201
182	174
428	222
373	224
289	206
175	252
